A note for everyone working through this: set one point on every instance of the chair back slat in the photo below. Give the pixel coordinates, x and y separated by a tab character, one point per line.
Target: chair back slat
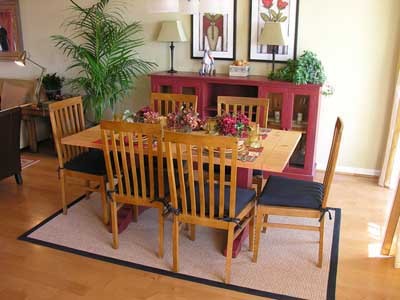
134	148
201	184
167	103
333	156
256	109
192	152
67	118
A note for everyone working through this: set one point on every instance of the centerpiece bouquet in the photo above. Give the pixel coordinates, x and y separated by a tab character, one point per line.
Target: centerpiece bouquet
233	124
144	115
186	118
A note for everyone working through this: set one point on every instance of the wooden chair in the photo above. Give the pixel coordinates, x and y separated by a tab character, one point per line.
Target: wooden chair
166	103
212	203
256	109
137	166
67	118
296	198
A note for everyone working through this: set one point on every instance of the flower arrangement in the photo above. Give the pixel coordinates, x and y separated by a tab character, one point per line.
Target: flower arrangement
185	118
144	115
233	124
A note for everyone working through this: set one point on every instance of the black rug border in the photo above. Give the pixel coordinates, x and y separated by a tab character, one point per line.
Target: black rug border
331	288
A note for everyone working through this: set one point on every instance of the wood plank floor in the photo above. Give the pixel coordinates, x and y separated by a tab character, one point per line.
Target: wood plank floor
29	271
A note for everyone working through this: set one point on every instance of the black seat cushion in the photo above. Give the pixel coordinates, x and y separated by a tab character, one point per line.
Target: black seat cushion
243	197
281	191
91	162
147	178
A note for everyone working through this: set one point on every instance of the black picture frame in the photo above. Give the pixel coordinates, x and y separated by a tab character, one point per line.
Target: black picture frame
198	54
253	43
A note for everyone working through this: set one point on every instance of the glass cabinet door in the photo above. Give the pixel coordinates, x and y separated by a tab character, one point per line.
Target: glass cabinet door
275	111
300	117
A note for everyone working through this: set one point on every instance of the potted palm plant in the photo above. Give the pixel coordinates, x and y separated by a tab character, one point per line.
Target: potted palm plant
102	47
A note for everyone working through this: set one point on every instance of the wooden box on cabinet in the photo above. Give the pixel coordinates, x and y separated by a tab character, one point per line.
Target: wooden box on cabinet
292	107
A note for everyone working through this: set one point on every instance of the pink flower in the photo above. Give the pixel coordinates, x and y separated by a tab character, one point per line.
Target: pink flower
282	4
268	3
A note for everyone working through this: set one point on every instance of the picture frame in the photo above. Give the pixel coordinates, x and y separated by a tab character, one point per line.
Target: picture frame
285	11
10	30
204	26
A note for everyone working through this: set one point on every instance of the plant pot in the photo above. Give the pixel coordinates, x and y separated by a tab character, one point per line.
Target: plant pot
53	94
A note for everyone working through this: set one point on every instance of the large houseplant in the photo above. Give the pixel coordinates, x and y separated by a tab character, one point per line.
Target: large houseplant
102	47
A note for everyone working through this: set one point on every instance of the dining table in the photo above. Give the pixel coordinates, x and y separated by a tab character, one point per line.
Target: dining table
273	154
276	148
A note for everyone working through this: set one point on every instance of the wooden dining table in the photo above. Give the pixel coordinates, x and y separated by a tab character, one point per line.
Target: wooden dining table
277	148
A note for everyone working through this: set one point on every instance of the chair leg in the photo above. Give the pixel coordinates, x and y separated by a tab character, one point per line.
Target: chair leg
229	247
192	233
258	181
264	230
160	233
63	191
251	229
114	224
135	213
175	244
18	178
321	242
259	223
104	204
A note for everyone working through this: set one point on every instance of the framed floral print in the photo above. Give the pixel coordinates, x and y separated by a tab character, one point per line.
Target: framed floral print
10	30
262	11
215	32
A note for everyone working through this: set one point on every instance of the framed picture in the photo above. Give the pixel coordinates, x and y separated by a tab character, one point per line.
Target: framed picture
10	30
215	32
262	11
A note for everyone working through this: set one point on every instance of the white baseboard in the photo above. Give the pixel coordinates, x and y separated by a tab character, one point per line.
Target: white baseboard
353	171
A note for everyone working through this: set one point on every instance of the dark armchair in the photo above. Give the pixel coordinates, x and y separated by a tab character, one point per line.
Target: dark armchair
10	156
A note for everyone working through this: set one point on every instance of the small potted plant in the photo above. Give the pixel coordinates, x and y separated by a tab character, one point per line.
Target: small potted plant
52	84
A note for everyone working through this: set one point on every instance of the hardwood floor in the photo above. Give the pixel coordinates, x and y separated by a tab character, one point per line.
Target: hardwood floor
29	271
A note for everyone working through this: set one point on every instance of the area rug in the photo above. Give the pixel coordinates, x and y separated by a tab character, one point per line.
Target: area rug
286	267
26	163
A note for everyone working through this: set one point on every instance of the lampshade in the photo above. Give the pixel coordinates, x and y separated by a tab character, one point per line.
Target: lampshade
172	31
163	6
214	6
21	60
190	7
273	34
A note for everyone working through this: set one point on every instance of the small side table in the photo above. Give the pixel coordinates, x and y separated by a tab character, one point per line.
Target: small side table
30	113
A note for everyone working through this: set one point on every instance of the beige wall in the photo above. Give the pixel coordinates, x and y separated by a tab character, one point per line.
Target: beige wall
358	42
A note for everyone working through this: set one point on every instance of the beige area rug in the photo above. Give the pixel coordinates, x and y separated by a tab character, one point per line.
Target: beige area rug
26	163
286	267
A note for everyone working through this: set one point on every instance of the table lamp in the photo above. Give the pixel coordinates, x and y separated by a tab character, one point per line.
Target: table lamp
21	61
273	35
172	31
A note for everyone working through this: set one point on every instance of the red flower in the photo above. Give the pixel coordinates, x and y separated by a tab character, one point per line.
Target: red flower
282	4
268	3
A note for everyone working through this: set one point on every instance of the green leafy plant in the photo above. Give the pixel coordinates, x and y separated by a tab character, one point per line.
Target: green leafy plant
102	46
306	69
52	82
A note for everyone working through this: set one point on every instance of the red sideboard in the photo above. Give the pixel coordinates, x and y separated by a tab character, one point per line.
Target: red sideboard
292	107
